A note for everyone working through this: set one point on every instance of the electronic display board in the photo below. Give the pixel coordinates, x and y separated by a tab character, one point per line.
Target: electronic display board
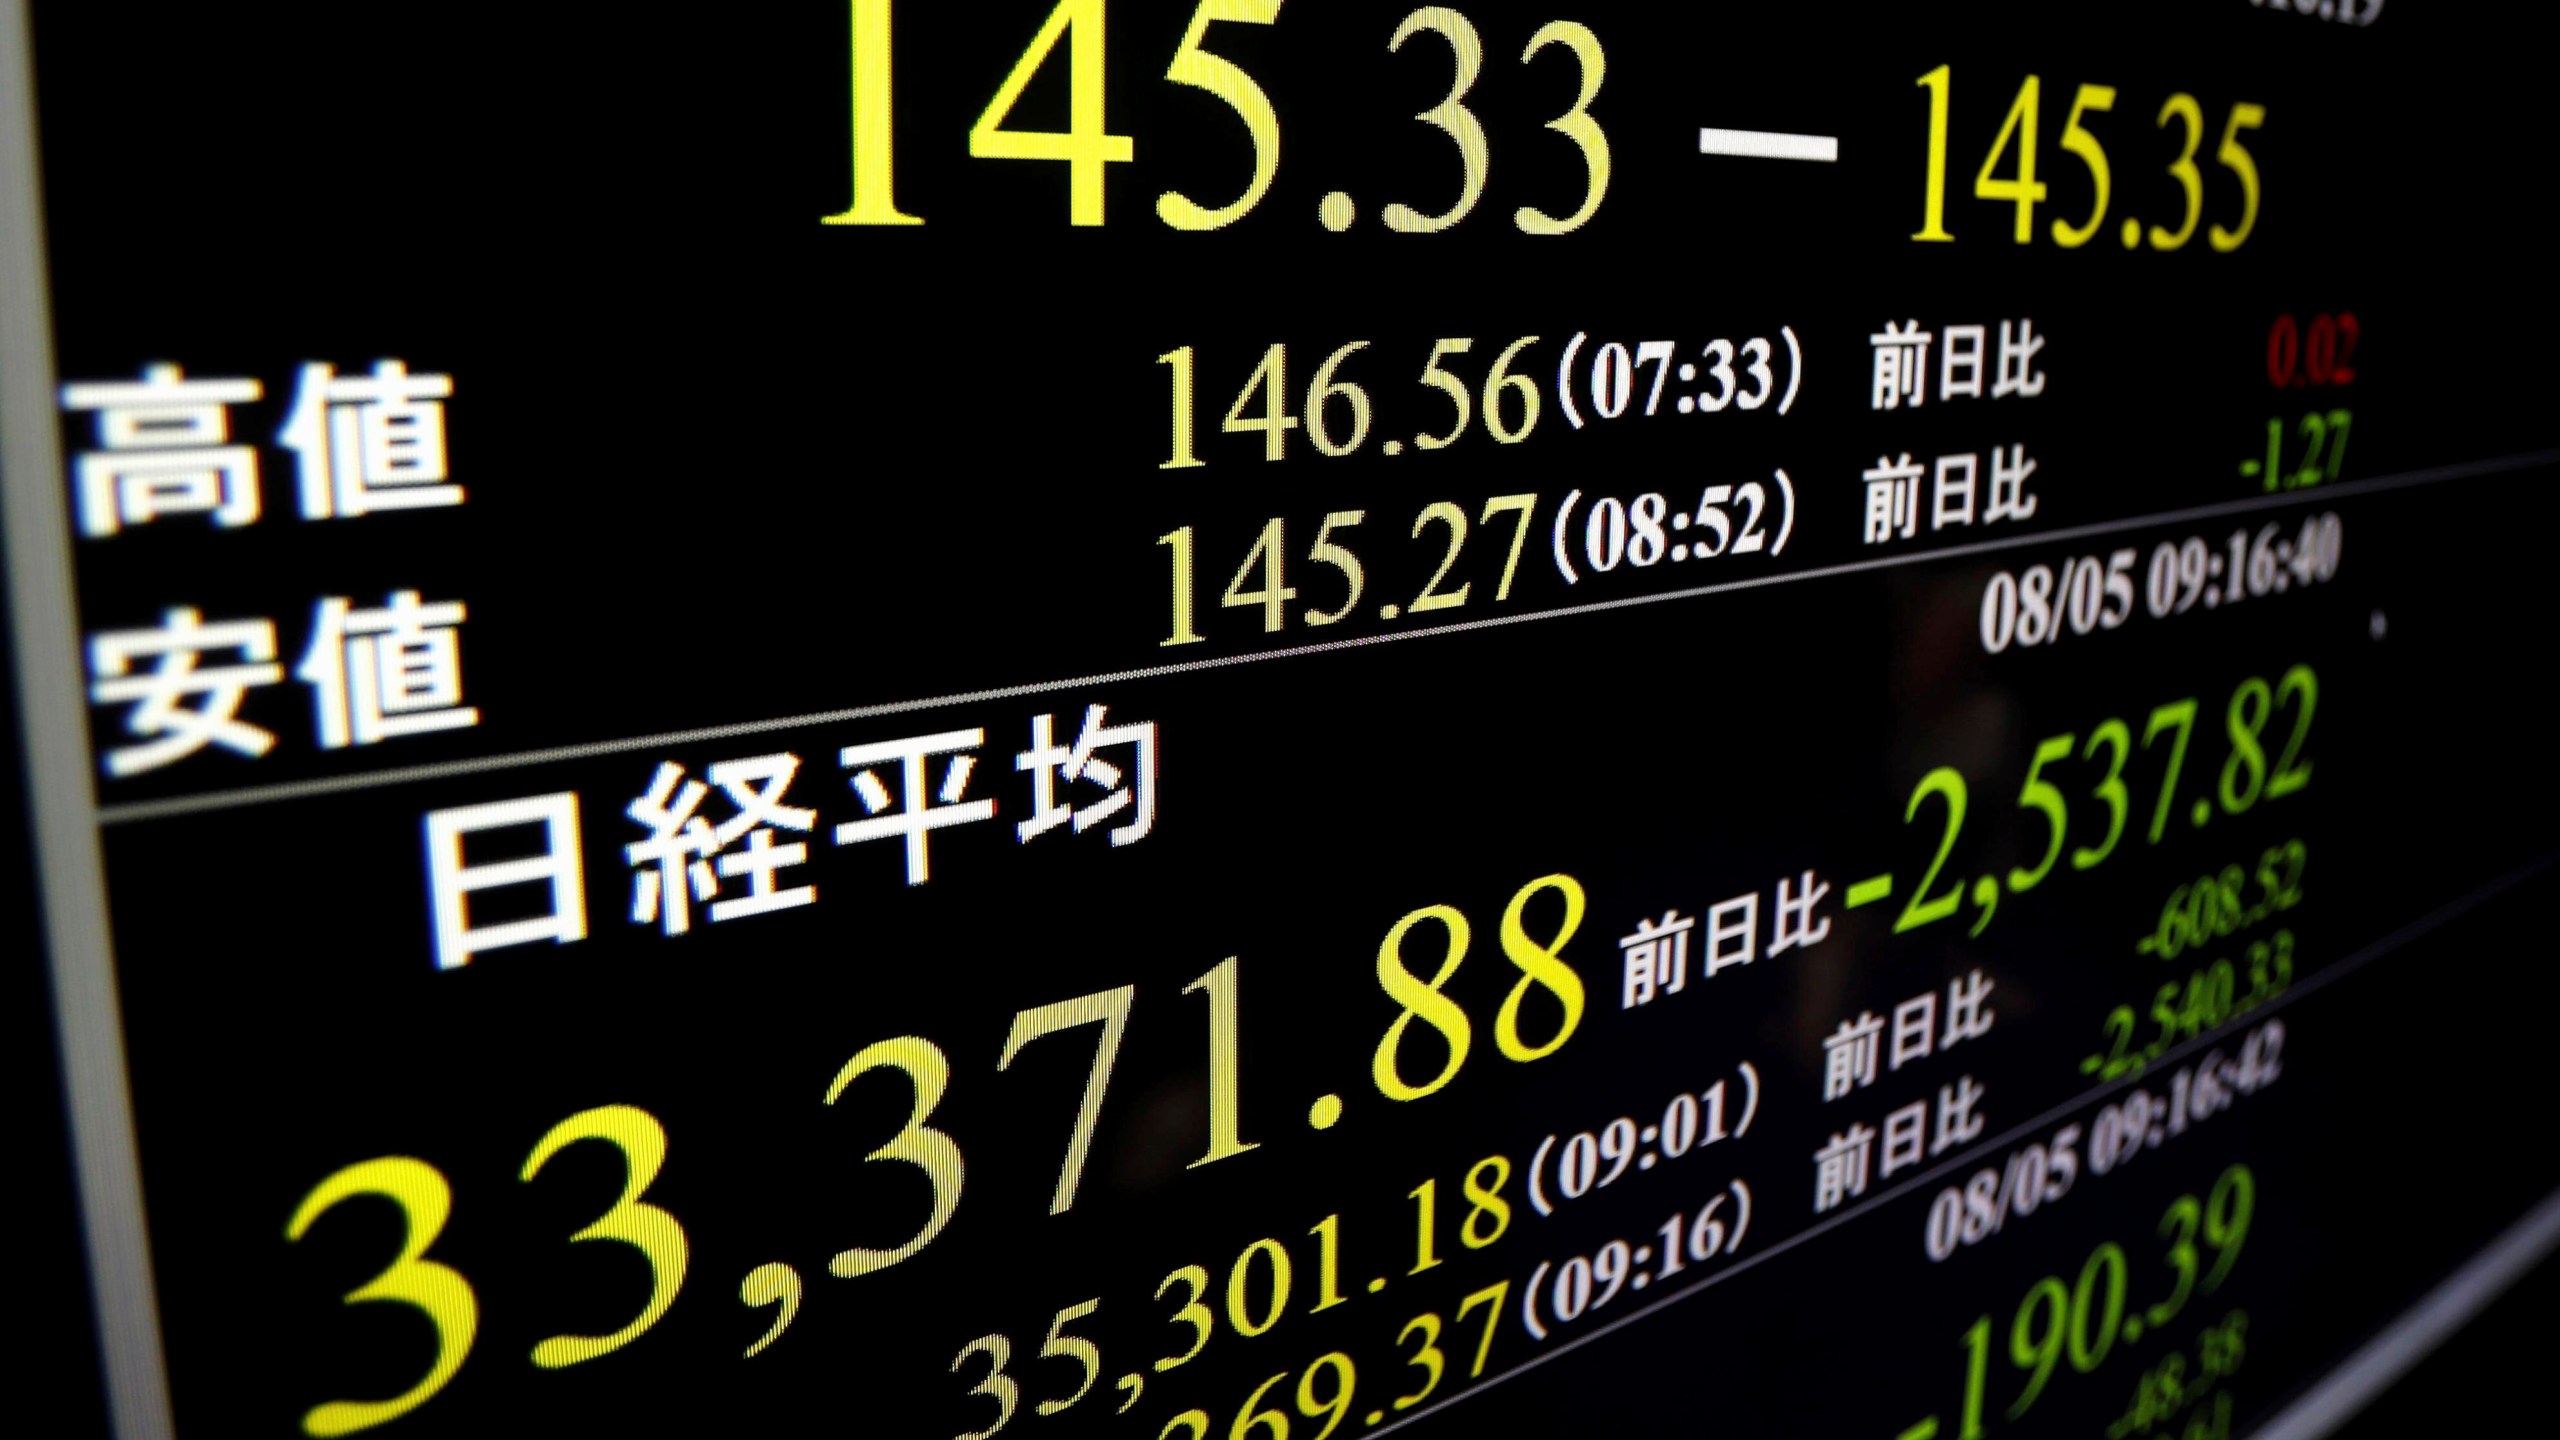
1282	719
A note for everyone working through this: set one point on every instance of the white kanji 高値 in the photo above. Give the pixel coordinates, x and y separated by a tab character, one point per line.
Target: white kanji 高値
452	878
164	448
686	856
369	442
384	672
1840	1168
162	719
1849	1055
1130	788
1656	958
1901	366
923	806
1893	499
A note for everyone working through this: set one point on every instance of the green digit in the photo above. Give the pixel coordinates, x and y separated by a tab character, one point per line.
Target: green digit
2182	713
2040	794
2119	741
2226	1220
2164	1011
2246	752
2037	1353
2290	776
1977	1367
2088	1354
2119	1024
2177	925
2234	907
2180	1217
1948	785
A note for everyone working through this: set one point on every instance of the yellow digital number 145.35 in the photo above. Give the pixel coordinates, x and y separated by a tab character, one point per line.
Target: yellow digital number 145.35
2015	146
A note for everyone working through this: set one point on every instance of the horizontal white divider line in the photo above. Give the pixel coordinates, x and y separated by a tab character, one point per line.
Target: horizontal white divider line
1768	144
133	810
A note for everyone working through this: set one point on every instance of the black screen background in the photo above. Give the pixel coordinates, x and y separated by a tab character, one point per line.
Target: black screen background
727	465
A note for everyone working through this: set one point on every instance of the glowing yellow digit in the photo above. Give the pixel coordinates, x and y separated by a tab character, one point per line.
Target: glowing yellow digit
1183	456
1108	1008
2184	107
424	1200
1269	554
1220	985
645	1228
1540	965
1239	1279
2236	159
1271	377
1219	76
1183	633
1084	146
1427	1359
1439	379
1498	382
2024	192
1073	1347
1432	596
1486	1202
1575	124
2080	142
1520	505
916	1143
1933	207
875	150
1192	1313
766	1284
998	1386
1451	116
1490	1298
1421	999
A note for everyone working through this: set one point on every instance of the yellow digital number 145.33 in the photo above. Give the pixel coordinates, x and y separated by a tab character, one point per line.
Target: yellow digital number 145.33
1087	145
